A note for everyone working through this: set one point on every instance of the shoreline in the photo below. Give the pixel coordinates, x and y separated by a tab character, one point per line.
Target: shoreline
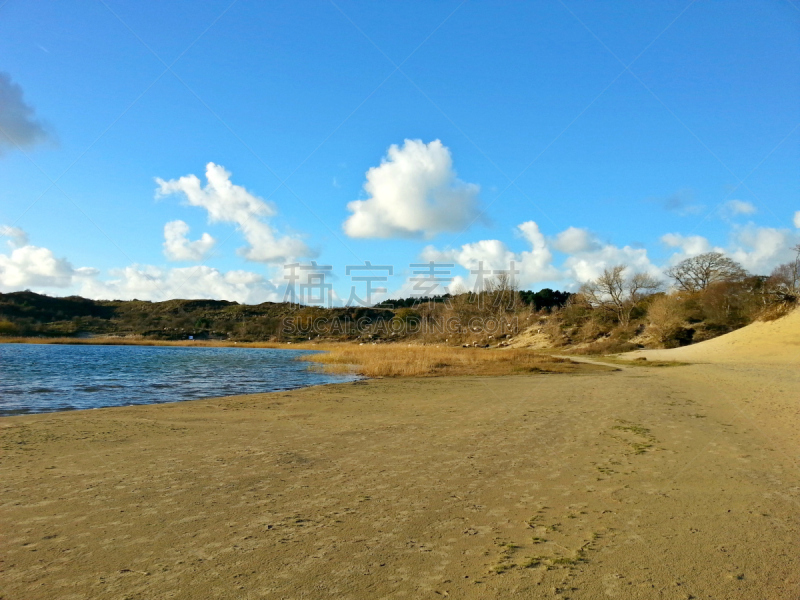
121	341
170	402
321	362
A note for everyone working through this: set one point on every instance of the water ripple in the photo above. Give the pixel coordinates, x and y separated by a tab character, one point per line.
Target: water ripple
37	378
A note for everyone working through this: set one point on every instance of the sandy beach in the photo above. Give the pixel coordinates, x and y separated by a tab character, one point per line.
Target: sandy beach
399	300
642	482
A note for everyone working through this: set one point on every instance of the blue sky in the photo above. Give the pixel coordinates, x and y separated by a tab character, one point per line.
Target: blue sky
628	132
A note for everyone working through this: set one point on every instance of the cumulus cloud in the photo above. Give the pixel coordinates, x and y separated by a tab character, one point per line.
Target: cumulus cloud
33	267
797	219
178	247
588	265
586	257
687	245
230	203
414	192
16	236
146	282
39	269
494	254
18	126
740	207
534	265
574	240
757	249
760	249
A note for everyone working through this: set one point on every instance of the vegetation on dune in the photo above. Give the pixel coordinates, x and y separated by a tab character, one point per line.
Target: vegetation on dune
620	310
27	314
711	295
31	314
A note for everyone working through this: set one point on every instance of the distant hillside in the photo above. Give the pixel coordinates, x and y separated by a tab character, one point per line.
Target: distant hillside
31	314
28	313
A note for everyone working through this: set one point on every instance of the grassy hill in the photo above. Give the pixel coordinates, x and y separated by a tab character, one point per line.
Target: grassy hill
30	314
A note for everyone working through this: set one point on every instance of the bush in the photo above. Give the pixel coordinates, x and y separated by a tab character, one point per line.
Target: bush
666	318
8	328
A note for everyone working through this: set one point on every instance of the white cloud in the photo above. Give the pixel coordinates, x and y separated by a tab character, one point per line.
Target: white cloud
494	254
37	268
740	207
17	237
414	192
574	240
797	219
534	265
229	203
760	249
145	282
688	246
33	267
588	265
18	127
586	259
757	249
178	247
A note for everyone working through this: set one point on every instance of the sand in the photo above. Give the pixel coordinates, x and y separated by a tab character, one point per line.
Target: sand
772	342
645	482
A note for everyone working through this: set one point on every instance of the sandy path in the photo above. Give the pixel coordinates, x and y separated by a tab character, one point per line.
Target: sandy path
675	482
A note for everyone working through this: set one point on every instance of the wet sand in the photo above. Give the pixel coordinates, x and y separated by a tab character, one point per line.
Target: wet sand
670	482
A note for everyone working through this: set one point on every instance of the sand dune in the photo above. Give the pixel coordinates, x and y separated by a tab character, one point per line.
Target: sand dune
770	342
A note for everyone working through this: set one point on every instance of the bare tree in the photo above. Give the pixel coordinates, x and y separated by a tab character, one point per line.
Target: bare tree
502	291
698	272
607	291
795	270
642	285
461	303
618	295
784	282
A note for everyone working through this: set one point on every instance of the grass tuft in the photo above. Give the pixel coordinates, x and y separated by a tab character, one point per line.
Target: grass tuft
395	360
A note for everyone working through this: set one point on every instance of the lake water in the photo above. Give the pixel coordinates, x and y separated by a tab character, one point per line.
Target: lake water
37	378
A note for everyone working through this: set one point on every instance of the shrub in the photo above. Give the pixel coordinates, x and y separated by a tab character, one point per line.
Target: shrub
8	328
666	318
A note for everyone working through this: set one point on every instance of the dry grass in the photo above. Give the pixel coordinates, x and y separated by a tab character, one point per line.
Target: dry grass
395	360
775	311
